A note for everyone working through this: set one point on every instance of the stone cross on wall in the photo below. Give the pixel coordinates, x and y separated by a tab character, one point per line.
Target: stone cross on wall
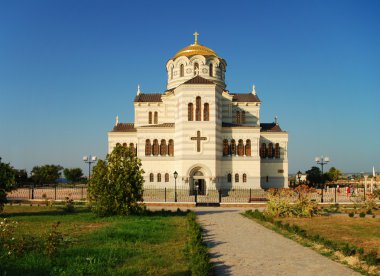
198	138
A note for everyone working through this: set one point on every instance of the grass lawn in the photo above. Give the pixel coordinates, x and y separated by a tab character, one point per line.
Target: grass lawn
133	245
362	232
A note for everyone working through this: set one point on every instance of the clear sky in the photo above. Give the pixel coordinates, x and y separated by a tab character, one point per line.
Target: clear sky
67	68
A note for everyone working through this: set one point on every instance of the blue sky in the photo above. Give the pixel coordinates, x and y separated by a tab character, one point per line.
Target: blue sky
67	68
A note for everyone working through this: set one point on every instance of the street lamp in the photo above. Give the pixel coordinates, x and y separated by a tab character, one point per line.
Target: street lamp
89	160
323	160
299	174
175	186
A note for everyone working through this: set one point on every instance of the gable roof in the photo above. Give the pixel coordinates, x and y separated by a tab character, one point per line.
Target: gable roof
270	127
124	127
160	125
198	80
249	97
156	97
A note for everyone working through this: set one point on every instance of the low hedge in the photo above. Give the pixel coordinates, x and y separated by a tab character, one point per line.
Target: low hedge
196	248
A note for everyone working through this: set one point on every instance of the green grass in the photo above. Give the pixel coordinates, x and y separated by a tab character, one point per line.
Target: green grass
152	244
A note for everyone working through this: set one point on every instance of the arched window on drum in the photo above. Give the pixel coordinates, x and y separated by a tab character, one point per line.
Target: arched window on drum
248	148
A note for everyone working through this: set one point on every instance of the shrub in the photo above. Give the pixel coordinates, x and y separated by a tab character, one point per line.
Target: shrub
348	250
362	215
280	202
69	205
351	214
54	240
370	258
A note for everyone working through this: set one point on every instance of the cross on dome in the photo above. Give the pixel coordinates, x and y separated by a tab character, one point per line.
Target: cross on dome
195	37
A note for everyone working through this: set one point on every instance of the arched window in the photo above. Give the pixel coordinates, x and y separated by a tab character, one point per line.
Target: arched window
267	179
263	150
270	150
181	70
155	147
132	147
229	178
238	117
243	117
233	147
171	148
277	152
151	177
125	145
190	112
248	148
150	117
148	148
225	147
163	148
240	149
196	69
244	178
118	144
166	177
206	115
156	117
236	177
198	109
211	70
158	177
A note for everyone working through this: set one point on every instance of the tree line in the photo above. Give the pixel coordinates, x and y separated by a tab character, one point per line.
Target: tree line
40	175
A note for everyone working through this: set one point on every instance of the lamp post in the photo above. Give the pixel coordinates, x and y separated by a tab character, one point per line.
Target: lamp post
323	160
299	174
175	186
89	160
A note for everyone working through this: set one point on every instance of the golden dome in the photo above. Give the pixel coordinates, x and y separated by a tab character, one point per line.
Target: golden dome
195	49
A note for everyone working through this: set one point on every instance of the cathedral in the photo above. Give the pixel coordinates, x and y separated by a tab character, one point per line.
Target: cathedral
211	137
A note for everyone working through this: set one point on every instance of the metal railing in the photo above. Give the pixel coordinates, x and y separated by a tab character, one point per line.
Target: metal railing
184	194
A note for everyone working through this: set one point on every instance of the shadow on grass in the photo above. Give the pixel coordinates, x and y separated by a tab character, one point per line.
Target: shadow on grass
55	211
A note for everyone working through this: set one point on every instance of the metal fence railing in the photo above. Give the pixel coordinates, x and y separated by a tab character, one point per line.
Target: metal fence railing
184	194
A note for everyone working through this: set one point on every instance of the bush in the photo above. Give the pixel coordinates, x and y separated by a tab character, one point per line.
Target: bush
291	203
348	250
362	215
54	241
351	214
370	258
69	205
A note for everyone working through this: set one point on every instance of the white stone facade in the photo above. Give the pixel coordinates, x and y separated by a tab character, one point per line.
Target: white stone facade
213	138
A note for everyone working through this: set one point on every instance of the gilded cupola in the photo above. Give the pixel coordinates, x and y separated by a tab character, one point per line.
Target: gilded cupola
193	60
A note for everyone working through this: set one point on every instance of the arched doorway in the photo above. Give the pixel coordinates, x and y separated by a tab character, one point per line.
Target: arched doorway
198	181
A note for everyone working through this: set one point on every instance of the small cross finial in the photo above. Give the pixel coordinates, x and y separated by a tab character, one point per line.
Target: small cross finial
253	89
276	120
196	37
138	89
117	120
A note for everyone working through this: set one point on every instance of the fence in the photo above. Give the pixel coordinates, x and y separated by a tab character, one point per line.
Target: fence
184	194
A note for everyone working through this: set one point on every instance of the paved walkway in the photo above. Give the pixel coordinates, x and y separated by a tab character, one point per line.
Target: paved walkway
240	246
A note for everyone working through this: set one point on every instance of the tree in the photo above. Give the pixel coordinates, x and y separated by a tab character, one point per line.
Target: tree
46	174
73	175
21	177
334	174
314	177
116	185
7	182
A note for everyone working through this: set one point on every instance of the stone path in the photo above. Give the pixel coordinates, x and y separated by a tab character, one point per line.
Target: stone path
240	246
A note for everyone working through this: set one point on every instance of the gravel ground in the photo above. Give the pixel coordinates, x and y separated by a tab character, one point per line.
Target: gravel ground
239	246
